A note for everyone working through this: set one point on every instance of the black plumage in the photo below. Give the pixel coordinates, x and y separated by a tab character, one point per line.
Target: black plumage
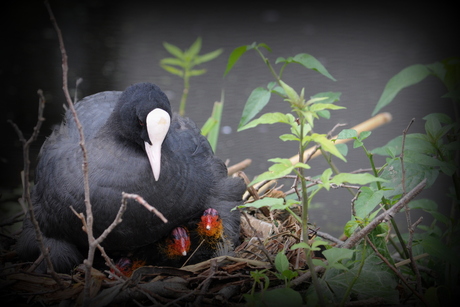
117	131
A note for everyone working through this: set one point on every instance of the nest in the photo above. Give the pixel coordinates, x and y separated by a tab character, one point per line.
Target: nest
222	280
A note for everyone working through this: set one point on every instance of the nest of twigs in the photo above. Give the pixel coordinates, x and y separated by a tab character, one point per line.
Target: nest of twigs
219	281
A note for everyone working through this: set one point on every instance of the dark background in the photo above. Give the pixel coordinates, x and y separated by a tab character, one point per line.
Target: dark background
112	44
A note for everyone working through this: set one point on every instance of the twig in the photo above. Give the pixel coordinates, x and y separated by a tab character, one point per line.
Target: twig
205	284
262	247
141	201
238	167
89	216
385	216
411	255
403	170
25	182
368	125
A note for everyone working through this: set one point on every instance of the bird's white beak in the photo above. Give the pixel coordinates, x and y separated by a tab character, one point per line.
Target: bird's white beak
158	121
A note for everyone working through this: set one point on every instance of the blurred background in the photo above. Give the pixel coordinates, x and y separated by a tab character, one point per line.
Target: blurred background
112	44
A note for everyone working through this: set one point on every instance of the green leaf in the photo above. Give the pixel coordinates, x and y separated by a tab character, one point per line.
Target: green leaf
172	61
281	262
256	102
289	137
408	76
424	204
208	56
325	178
325	106
311	62
342	148
335	255
330	97
414	174
290	92
265	202
327	145
374	280
436	248
360	179
234	57
347	134
173	70
208	125
216	115
175	51
194	49
269	118
196	72
281	168
367	201
300	245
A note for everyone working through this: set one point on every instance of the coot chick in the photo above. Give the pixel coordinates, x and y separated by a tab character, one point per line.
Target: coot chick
133	146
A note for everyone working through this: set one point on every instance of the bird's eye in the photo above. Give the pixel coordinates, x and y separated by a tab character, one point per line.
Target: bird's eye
141	123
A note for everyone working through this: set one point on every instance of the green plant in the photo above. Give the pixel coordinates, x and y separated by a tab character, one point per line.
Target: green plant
183	65
301	124
412	158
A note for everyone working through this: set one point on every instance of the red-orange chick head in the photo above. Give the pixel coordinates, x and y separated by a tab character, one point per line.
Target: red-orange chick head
210	225
126	266
179	243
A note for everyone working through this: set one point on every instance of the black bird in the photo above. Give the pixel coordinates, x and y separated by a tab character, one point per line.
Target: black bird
134	145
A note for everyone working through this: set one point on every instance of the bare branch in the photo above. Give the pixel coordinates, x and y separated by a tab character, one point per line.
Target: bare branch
385	216
141	201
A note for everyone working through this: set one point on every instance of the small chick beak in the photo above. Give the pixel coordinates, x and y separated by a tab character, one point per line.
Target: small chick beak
158	121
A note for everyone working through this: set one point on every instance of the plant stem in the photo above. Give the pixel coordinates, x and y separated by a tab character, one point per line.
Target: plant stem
305	204
183	99
267	62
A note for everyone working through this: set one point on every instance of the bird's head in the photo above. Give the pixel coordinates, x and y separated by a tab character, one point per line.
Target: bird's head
210	226
145	114
179	243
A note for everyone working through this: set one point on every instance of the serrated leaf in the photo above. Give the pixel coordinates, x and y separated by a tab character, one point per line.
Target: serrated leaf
256	102
311	62
408	76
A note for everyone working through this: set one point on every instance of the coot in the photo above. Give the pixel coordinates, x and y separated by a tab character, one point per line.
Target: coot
134	145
